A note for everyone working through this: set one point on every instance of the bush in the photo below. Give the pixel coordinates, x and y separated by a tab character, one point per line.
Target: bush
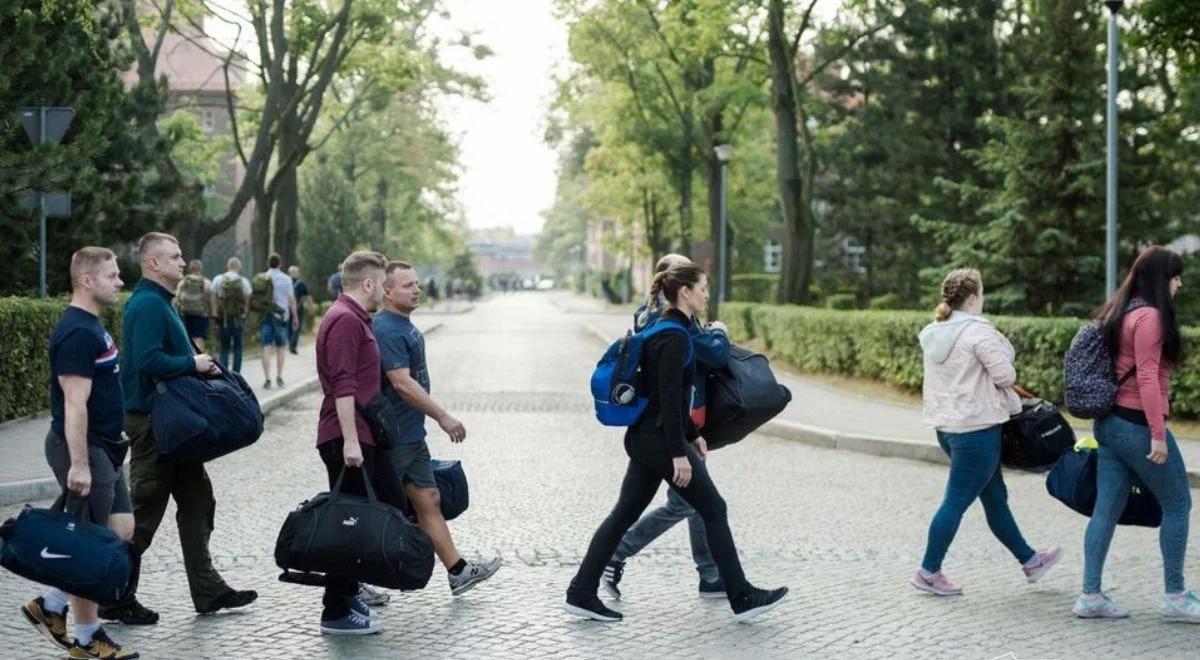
753	287
883	346
888	301
842	301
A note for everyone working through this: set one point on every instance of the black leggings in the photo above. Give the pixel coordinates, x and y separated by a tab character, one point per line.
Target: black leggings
648	468
338	589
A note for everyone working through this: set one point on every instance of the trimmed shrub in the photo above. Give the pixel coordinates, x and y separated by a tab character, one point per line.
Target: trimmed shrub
753	287
883	345
842	301
888	301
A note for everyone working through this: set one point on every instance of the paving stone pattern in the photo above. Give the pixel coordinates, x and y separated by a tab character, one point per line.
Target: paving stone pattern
843	530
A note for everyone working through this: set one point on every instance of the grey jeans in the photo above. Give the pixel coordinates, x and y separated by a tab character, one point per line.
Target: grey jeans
653	524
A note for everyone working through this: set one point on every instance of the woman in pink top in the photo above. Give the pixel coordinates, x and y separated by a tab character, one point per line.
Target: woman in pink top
1143	335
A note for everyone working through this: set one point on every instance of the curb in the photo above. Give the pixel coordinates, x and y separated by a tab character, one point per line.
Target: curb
33	490
826	438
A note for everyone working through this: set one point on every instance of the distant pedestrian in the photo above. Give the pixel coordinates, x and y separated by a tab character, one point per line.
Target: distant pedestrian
968	395
278	319
349	371
711	348
409	471
154	347
231	306
663	445
1142	332
85	447
192	299
300	291
334	285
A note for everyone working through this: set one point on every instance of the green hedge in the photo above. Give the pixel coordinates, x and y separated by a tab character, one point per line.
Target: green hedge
25	325
883	345
753	287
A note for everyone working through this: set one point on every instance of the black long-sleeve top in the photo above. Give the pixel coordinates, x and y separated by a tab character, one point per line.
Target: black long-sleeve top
667	380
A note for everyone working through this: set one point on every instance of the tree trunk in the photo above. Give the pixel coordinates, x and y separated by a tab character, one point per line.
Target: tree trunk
712	166
798	230
260	232
379	216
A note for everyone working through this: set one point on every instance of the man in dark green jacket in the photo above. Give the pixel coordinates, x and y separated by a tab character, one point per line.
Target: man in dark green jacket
155	345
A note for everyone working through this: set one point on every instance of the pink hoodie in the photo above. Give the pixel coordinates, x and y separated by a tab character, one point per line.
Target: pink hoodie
1148	390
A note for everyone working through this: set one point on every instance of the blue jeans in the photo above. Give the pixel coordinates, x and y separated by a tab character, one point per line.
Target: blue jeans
974	473
653	524
231	337
1123	449
273	332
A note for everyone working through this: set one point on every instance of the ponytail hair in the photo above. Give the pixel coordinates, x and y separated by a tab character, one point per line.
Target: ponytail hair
656	288
670	281
956	288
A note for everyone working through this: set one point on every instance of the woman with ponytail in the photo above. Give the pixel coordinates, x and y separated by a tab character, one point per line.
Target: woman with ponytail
663	445
1142	333
968	395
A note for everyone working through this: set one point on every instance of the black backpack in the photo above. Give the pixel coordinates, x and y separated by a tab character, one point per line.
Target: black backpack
742	396
1036	437
354	537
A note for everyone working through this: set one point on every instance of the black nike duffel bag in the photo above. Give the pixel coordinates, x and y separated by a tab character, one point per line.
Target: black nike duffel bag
742	396
354	537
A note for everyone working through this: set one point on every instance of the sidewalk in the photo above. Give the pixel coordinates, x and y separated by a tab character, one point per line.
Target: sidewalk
24	475
835	418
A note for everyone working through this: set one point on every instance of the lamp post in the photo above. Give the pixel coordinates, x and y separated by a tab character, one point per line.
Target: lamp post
724	152
1110	198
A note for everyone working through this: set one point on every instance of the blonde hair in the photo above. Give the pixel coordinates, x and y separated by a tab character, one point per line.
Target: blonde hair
86	260
234	263
956	288
150	241
661	267
358	266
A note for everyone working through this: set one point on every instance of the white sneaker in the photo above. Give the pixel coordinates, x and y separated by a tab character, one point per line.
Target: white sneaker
372	597
1098	606
1183	607
472	574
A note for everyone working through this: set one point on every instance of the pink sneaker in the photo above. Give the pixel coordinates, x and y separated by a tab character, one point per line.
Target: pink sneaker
1043	561
936	583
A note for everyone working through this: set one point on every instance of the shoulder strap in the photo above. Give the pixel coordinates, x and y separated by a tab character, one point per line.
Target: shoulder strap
663	325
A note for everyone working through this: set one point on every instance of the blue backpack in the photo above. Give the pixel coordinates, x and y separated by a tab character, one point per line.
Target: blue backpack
616	380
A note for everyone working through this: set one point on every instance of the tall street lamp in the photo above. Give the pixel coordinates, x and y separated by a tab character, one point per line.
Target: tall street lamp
724	152
1110	203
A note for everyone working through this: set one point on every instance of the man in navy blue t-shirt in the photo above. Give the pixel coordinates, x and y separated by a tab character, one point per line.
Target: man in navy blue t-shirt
84	447
406	384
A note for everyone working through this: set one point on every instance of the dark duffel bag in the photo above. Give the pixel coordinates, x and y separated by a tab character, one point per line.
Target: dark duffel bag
355	537
742	396
200	418
68	551
1036	437
452	488
1072	481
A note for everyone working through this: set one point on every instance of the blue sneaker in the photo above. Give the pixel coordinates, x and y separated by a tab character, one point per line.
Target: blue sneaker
351	624
1183	607
360	608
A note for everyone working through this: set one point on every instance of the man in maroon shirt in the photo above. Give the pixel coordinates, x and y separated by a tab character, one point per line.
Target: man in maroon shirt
348	367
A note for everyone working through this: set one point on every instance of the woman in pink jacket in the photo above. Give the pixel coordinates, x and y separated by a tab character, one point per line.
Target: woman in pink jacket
968	395
1143	336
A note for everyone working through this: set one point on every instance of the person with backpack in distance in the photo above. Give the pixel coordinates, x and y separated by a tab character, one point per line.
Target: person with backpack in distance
968	394
349	370
663	445
84	447
273	298
406	385
192	301
1141	333
155	346
231	306
711	345
300	291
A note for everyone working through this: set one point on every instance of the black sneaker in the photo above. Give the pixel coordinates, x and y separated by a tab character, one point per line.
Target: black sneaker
130	613
230	600
714	589
267	384
589	606
612	577
279	383
757	601
52	625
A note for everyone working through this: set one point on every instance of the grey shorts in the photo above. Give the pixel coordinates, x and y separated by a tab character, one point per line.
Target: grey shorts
110	489
411	461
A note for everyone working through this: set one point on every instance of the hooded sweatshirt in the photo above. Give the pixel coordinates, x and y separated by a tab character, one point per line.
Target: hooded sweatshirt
969	374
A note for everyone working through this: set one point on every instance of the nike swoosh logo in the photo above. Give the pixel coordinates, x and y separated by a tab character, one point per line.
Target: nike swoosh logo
46	554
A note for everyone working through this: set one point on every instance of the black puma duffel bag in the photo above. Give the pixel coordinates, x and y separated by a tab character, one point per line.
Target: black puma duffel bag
355	537
742	396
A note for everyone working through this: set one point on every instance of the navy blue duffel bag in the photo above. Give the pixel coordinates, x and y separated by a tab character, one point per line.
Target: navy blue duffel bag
1072	481
199	418
67	551
452	487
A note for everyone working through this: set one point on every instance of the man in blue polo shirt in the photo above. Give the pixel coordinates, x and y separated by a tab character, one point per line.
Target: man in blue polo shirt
406	384
84	446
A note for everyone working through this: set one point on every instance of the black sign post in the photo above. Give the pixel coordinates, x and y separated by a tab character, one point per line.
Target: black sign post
42	125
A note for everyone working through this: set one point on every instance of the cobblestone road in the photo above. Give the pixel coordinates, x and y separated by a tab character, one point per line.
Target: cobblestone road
844	530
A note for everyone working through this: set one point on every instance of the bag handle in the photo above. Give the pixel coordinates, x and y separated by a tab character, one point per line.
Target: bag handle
83	507
336	492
